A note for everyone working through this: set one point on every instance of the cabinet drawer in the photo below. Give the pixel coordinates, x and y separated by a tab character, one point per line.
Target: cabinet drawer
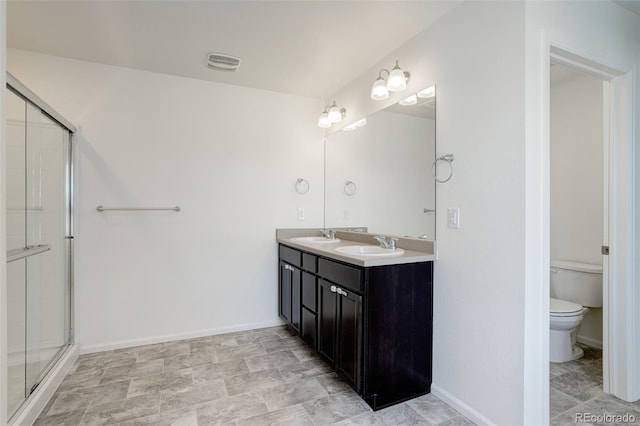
343	275
291	256
309	262
309	291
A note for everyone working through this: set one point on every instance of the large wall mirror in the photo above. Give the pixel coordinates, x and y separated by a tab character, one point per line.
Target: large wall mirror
378	170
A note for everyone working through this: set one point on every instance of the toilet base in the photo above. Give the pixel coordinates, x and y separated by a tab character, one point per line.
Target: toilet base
577	352
562	348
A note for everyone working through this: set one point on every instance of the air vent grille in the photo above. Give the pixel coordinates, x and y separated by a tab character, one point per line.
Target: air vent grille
222	62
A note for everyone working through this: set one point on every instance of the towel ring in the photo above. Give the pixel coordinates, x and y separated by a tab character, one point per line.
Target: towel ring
302	186
449	159
350	188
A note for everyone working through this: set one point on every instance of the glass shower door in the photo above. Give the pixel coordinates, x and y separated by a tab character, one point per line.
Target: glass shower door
39	253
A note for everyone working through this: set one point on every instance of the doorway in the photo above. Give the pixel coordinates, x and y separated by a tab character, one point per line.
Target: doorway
619	367
578	223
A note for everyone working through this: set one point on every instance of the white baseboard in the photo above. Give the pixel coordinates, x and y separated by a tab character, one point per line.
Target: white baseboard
36	402
460	406
173	337
589	342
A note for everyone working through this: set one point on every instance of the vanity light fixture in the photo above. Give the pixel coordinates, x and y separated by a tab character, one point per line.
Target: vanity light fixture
396	81
331	114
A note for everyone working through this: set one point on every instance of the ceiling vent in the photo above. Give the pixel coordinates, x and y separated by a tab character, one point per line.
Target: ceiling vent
222	62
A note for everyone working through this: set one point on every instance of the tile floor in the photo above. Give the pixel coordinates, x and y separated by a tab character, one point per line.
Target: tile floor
576	387
257	377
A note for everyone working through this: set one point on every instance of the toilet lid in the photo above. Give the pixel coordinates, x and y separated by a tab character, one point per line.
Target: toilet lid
563	307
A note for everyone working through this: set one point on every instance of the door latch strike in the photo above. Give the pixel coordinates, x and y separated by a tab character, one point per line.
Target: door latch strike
605	250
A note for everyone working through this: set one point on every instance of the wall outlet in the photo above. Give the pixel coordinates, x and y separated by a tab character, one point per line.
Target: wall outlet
300	213
453	217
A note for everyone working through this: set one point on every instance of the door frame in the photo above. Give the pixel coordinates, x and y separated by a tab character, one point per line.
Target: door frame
620	301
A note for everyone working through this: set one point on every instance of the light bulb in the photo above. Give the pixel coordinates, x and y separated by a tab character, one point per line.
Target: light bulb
324	121
411	100
335	115
397	80
379	90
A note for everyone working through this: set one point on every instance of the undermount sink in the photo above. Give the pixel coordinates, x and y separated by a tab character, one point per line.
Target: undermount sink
369	251
320	240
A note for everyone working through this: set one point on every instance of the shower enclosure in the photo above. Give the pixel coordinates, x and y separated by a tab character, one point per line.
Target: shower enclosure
39	242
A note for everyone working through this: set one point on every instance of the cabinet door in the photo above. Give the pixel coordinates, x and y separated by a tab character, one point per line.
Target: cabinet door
309	328
327	305
296	303
349	323
309	291
284	304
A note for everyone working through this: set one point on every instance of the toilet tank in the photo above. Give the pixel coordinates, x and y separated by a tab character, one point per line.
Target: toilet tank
577	282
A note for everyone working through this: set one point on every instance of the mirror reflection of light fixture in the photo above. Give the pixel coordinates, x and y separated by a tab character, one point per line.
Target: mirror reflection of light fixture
331	114
411	100
355	125
429	92
396	81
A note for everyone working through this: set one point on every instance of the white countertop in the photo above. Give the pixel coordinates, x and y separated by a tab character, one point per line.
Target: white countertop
328	249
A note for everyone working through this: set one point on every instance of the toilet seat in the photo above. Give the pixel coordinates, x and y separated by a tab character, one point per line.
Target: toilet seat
563	308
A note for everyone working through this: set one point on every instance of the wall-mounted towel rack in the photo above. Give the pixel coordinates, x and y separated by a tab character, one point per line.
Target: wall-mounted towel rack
138	209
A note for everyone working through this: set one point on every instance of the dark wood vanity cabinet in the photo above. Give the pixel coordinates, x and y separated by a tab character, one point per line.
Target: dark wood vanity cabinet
373	325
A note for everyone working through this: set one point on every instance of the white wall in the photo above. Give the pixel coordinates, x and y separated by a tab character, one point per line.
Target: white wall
576	145
577	159
389	161
474	56
229	156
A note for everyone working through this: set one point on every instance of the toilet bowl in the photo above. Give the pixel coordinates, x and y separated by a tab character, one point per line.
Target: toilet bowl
575	286
564	321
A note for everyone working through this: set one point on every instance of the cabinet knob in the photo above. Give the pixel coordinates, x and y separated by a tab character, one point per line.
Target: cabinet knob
333	289
342	292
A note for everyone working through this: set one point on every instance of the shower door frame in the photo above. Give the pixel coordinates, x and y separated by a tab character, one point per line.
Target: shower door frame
61	363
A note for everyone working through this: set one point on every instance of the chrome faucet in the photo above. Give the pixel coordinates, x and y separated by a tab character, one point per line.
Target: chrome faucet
328	233
387	242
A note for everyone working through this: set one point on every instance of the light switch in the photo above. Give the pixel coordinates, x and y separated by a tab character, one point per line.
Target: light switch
300	213
453	217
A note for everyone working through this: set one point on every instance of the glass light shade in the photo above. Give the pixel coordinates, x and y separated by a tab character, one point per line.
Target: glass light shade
397	80
411	100
379	90
334	115
324	121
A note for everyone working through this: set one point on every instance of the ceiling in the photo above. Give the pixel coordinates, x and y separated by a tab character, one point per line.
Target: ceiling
308	48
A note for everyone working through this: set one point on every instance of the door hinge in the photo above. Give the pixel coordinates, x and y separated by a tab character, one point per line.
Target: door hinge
605	250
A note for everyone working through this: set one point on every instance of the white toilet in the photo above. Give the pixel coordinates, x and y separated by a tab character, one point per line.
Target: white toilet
575	287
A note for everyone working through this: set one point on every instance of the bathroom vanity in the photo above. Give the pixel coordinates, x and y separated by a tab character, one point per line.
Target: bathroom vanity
369	317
